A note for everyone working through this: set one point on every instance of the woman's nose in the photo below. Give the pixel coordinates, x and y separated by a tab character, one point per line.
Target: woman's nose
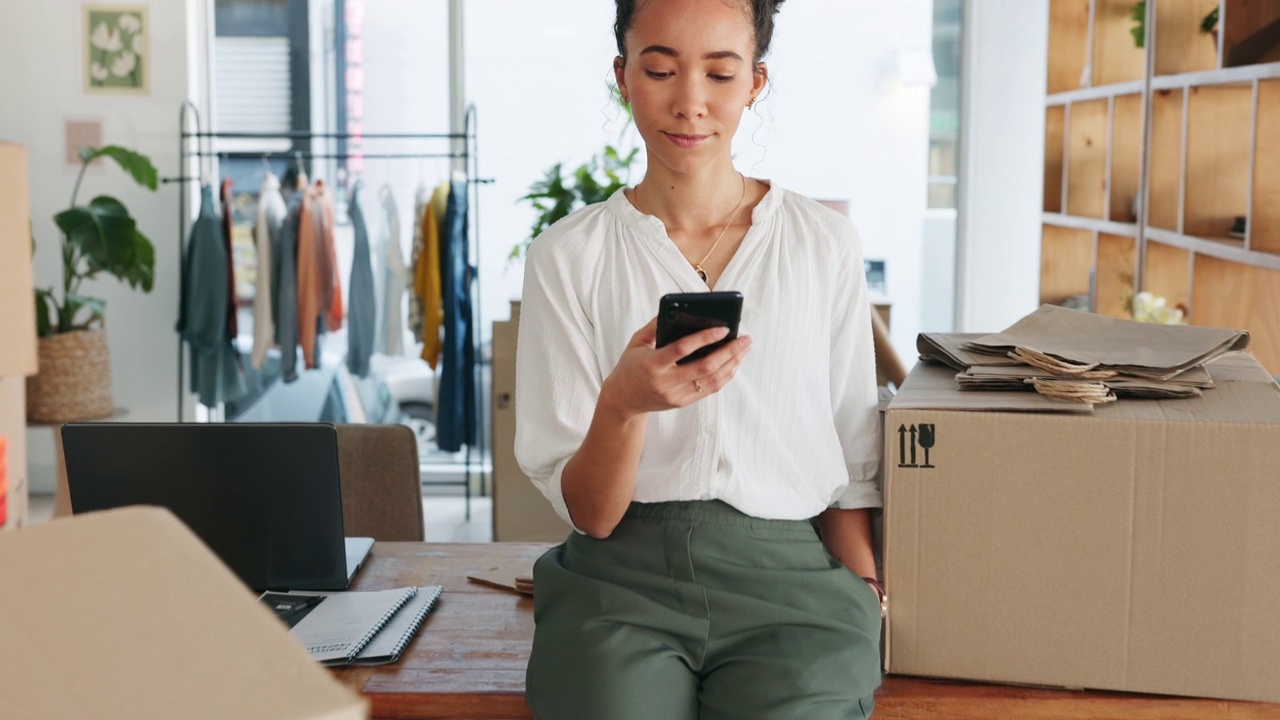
690	100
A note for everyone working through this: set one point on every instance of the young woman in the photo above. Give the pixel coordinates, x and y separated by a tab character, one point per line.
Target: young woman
695	584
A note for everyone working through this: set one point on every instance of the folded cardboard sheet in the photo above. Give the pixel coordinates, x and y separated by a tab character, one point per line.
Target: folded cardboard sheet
125	615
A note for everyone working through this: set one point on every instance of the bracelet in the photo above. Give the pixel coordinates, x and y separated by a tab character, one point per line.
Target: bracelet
880	591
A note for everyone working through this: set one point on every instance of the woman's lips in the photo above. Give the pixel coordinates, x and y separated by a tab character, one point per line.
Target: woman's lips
687	141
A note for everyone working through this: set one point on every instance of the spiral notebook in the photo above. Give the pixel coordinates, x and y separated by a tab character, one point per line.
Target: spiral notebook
336	627
389	642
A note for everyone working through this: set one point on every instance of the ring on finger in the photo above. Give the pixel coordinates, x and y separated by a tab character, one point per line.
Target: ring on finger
697	386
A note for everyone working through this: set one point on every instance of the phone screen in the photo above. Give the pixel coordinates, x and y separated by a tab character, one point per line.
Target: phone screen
681	314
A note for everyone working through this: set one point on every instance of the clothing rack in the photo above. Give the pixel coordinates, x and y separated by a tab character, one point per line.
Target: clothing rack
464	147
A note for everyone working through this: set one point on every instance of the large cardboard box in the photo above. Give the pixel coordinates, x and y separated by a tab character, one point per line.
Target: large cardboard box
124	614
1137	548
520	512
17	328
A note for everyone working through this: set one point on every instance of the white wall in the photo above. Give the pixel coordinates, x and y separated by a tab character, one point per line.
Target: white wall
40	44
838	123
1001	162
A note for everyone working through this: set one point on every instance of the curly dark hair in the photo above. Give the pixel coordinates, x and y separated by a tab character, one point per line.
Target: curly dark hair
762	12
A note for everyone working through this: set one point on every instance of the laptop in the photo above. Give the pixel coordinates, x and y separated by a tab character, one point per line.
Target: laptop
264	497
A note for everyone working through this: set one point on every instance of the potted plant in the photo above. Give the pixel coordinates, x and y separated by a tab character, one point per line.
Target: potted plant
557	195
74	380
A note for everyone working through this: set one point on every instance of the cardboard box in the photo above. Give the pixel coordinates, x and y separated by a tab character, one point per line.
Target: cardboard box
17	325
520	512
1137	548
124	614
17	301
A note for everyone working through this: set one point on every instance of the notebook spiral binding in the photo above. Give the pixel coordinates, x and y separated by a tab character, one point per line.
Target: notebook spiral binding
417	621
409	593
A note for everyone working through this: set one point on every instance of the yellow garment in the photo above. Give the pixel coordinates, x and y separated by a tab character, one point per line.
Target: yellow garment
426	275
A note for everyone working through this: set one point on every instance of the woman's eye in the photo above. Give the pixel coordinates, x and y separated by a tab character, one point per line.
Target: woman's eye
721	78
657	75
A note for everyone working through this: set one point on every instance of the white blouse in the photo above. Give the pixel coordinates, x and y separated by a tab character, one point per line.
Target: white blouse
794	432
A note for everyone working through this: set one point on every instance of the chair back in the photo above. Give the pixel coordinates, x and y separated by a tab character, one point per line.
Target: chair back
381	486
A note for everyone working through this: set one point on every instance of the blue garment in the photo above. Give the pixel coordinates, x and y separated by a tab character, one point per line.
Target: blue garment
202	314
456	422
362	309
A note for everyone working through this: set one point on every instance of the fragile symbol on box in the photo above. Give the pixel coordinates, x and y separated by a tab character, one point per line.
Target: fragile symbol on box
921	436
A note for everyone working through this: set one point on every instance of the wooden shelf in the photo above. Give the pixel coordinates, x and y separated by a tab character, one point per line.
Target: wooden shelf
1218	150
1180	46
1115	57
1227	294
1224	248
1164	167
1167	273
1090	224
1113	277
1066	260
1126	157
1068	44
1250	32
1201	136
1087	158
1264	223
1055	119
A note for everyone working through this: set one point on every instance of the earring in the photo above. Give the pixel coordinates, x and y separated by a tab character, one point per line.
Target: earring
751	102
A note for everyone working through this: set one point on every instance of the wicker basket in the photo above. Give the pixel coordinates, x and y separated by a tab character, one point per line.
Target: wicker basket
74	382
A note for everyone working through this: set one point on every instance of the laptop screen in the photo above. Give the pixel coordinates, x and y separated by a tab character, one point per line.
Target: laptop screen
264	497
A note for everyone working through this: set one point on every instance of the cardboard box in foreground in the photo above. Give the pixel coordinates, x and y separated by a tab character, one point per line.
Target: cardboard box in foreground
125	615
1135	549
17	327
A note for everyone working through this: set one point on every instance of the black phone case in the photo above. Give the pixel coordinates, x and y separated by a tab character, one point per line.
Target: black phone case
681	314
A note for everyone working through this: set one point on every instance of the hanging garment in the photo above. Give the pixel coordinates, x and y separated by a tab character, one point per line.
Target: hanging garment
227	224
456	422
266	236
319	287
390	336
286	290
331	282
362	318
428	281
202	318
309	249
420	202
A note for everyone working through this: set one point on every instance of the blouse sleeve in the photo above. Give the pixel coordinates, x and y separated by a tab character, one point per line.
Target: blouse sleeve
855	402
557	381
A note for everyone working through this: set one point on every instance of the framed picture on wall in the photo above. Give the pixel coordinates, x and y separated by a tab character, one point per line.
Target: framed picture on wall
116	47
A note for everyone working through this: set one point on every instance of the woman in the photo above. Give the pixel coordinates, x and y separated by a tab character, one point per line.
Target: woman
695	585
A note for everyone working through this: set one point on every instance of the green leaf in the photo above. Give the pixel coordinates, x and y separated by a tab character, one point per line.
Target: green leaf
134	163
109	241
96	307
44	298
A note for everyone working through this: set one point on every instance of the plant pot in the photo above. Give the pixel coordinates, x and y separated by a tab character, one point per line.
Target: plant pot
74	381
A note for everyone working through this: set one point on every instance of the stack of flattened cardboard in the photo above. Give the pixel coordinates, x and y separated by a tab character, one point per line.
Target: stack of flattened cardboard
1082	359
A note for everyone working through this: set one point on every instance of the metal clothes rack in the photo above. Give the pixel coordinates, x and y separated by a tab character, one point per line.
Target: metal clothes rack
463	146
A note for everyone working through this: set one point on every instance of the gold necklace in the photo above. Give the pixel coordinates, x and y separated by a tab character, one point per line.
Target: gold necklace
697	267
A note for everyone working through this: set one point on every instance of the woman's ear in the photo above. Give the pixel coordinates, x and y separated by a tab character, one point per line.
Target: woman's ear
619	65
759	78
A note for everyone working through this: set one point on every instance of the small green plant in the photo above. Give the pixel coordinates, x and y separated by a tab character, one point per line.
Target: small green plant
1139	15
557	195
1210	22
96	238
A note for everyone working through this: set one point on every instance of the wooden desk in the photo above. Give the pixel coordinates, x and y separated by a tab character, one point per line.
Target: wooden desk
468	660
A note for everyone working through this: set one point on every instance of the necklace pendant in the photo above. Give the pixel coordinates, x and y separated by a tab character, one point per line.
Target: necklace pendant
701	273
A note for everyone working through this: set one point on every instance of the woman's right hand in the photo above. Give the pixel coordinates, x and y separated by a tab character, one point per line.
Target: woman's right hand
647	378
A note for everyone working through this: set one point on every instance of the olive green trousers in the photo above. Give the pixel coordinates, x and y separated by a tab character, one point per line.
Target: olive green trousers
692	610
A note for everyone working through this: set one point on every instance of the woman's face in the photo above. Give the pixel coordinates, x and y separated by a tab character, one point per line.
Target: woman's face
689	74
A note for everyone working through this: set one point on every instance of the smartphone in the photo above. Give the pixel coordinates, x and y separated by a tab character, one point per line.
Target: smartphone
681	314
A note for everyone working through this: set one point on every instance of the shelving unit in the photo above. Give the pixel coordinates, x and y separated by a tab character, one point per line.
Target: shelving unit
1153	156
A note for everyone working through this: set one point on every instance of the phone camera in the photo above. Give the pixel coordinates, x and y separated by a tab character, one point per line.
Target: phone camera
671	316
